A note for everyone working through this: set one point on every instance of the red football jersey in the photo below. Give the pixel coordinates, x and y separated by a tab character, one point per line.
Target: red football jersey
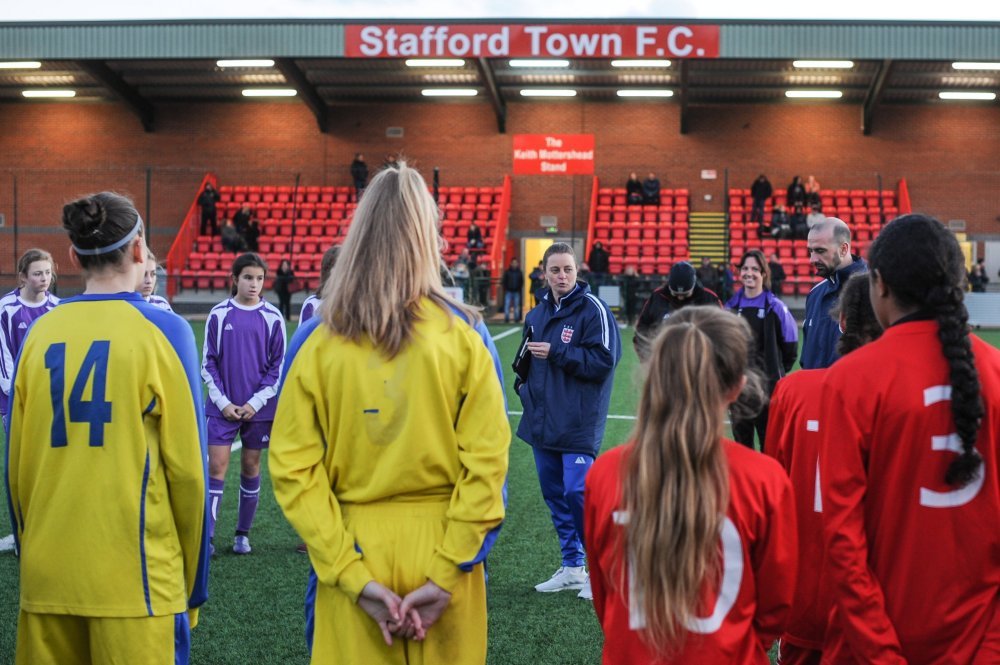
793	439
915	562
759	549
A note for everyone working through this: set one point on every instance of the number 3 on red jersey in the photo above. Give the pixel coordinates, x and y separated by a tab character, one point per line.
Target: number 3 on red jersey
950	442
732	577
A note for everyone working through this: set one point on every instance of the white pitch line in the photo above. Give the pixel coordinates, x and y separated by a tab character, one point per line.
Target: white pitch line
611	417
506	333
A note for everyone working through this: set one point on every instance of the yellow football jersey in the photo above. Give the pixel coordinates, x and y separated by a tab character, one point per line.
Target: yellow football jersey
355	428
106	467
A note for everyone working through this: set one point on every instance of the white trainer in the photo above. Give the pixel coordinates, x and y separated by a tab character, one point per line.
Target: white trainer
567	577
241	545
586	592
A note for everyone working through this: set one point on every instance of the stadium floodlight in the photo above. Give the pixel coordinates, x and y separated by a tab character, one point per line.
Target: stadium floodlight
977	96
33	64
640	63
33	94
539	63
645	93
823	64
814	94
543	92
270	92
439	62
449	92
977	66
245	63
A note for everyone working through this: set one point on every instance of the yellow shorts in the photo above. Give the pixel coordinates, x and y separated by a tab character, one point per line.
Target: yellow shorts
397	541
63	639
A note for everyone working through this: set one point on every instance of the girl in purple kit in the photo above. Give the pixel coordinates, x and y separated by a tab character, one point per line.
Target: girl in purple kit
243	355
19	309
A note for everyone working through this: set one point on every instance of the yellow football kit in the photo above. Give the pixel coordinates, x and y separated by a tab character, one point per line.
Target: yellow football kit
106	472
392	470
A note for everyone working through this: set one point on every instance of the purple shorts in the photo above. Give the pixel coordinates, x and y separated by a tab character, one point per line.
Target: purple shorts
256	434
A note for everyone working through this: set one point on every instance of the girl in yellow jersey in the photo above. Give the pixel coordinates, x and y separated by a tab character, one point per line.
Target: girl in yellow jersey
389	446
106	462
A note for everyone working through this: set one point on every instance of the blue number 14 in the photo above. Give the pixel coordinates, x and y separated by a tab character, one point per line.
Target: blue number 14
95	411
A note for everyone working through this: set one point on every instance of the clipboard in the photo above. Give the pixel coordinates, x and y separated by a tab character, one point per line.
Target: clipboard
522	361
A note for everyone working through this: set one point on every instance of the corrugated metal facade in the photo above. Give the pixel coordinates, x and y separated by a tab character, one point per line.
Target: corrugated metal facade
861	41
172	40
317	39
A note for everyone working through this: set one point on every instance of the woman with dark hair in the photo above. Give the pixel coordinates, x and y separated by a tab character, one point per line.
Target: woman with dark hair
909	431
793	440
775	333
106	462
633	189
796	192
691	537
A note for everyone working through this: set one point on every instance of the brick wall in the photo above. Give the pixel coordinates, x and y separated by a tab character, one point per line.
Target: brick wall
949	154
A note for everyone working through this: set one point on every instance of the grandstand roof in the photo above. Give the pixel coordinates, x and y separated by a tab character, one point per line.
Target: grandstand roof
145	63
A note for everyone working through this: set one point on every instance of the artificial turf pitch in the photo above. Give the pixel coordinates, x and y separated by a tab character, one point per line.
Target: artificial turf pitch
255	608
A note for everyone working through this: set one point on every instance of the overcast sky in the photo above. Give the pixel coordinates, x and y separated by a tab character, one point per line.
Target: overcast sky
386	10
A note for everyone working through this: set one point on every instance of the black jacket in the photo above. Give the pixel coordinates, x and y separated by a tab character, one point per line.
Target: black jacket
659	306
208	198
761	190
359	171
599	260
513	280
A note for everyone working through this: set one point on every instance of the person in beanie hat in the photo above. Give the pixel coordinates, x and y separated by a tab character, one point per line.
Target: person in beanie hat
682	289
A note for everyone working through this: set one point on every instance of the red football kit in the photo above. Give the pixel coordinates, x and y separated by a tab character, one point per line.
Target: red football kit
915	562
793	439
759	547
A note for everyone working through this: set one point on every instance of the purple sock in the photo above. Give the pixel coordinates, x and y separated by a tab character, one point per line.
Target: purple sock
249	494
215	488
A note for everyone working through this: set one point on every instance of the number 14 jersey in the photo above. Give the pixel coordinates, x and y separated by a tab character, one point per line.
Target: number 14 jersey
106	461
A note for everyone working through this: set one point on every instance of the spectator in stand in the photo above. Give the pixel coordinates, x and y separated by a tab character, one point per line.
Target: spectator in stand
359	174
599	261
814	217
726	280
468	258
390	162
796	194
708	275
775	333
681	290
629	281
978	278
461	272
537	278
778	275
231	240
797	222
651	190
474	238
209	216
812	192
584	274
829	247
760	191
253	233
633	189
780	226
241	220
513	285
283	279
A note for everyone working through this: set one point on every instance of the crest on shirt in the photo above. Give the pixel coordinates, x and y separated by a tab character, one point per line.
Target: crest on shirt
567	334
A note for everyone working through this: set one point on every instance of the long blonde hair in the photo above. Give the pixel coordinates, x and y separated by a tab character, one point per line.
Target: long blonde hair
676	480
388	264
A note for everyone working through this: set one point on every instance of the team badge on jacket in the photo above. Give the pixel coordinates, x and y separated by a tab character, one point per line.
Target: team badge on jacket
567	334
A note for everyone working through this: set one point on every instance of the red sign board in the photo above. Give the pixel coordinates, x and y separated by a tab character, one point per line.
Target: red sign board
531	41
553	154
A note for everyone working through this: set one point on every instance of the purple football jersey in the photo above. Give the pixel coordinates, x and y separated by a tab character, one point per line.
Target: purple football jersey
243	357
309	308
16	317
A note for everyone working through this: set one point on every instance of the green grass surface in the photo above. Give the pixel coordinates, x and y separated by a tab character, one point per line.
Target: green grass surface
254	613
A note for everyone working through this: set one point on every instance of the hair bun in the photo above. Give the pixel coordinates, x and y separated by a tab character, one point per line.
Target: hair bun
83	218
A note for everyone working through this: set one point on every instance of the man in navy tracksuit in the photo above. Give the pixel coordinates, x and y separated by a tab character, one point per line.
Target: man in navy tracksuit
575	345
829	246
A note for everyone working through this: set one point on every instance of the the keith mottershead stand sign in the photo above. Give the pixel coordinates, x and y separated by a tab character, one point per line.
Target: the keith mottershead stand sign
531	41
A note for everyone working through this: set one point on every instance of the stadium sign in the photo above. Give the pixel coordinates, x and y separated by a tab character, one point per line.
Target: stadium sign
553	154
531	41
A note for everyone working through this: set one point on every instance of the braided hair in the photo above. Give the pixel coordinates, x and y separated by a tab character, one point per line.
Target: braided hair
921	263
